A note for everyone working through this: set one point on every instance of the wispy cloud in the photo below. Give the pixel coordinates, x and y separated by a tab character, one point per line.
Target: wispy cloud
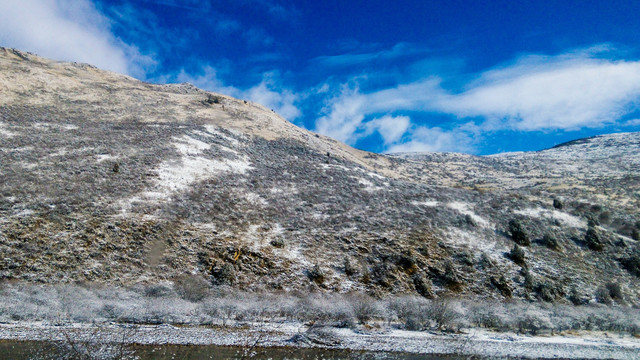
572	91
546	93
400	50
68	30
270	92
426	139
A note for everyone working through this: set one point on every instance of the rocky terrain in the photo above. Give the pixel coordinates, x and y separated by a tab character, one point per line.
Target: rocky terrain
106	179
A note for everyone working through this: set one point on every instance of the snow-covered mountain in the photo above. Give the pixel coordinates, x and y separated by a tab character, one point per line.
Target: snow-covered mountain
104	178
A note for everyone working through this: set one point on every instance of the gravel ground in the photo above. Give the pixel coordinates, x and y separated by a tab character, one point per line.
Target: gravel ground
475	342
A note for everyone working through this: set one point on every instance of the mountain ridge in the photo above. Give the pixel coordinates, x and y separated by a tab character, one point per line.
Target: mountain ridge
109	179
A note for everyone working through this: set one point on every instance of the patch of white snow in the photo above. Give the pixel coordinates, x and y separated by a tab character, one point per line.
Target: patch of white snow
465	209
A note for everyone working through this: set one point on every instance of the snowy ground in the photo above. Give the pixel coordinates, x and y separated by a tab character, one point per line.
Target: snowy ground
583	345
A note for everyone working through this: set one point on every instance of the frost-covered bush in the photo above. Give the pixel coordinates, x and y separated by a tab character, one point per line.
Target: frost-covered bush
550	241
632	263
593	240
443	313
411	311
517	255
364	308
191	287
518	233
225	306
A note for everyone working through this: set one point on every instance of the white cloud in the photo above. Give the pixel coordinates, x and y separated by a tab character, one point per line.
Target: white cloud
571	91
71	30
425	139
345	115
269	92
566	93
391	128
207	79
632	122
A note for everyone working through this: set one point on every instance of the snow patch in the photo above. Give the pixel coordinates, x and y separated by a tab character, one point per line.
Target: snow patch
255	199
368	185
376	175
187	145
104	157
61	152
4	132
476	242
332	166
213	130
465	209
179	174
566	219
69	127
430	203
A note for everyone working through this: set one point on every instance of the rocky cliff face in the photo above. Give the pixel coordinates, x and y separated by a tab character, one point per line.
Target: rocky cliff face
105	178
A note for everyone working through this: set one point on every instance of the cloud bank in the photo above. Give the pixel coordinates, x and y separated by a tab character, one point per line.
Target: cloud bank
270	92
571	91
72	30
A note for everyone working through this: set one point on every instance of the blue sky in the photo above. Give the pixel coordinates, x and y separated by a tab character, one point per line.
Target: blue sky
479	77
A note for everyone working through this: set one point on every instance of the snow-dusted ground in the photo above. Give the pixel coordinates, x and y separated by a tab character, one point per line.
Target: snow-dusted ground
592	345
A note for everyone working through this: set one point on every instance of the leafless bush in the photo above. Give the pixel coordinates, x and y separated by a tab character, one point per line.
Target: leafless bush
191	287
97	344
443	313
412	312
364	308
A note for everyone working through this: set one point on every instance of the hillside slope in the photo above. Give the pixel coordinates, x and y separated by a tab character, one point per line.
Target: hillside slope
104	178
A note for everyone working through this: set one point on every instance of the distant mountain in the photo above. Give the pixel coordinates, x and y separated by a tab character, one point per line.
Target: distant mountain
104	178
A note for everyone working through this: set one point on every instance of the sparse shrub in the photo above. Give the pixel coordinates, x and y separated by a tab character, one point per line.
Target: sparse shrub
575	297
604	217
518	234
529	280
212	100
632	263
364	308
450	275
517	255
635	234
592	238
615	291
443	313
224	274
349	269
157	290
277	243
316	274
490	317
557	204
550	241
413	312
603	296
548	291
191	287
469	220
422	285
502	284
